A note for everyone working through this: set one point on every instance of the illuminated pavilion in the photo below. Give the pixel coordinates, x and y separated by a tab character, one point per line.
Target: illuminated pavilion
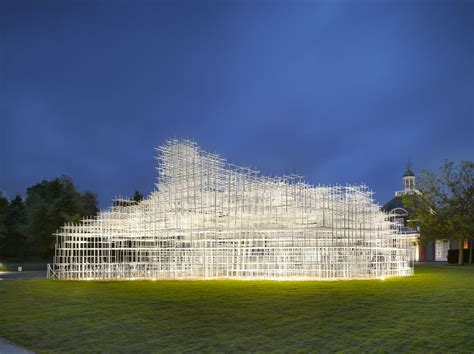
210	219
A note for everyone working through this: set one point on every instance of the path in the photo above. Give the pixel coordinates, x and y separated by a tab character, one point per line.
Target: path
7	347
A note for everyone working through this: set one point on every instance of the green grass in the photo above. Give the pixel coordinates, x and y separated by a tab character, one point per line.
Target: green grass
431	311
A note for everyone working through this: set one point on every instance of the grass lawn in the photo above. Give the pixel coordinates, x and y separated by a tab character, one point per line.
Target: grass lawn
431	311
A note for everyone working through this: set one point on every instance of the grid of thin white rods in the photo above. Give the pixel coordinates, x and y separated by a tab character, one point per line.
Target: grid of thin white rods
208	218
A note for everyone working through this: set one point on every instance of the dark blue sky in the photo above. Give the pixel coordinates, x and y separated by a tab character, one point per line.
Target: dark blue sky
340	91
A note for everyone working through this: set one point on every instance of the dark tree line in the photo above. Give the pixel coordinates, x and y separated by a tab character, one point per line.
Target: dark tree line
27	225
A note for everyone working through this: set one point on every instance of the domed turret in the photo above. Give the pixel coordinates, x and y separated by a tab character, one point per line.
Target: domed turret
408	173
408	181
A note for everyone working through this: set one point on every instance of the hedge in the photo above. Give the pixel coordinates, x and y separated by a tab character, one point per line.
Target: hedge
453	256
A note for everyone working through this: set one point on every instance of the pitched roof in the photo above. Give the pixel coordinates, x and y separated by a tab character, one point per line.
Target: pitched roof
397	202
392	204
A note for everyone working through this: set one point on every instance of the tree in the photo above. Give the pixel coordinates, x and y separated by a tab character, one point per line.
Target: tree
123	202
3	227
49	205
15	220
447	207
137	196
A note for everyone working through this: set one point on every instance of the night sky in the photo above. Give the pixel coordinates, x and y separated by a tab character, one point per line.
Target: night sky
337	91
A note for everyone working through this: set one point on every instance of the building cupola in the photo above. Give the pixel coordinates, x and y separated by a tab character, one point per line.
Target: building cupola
408	181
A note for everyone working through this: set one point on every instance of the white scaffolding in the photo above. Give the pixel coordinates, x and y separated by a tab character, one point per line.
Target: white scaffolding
210	219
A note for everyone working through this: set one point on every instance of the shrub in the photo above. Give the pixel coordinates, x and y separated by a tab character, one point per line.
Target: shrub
453	256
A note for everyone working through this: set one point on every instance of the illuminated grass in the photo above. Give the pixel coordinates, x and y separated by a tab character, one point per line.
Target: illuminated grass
431	311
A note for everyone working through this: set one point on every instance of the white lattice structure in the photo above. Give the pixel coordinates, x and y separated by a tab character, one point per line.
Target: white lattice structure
209	219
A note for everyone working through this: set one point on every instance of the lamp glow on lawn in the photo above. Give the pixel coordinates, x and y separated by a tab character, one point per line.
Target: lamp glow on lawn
210	219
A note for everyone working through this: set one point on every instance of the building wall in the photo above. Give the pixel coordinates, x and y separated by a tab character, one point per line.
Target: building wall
427	252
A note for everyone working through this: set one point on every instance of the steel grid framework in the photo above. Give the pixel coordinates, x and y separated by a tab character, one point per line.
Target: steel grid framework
208	218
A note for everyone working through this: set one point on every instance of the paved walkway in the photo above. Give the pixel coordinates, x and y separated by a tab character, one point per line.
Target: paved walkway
26	275
7	347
